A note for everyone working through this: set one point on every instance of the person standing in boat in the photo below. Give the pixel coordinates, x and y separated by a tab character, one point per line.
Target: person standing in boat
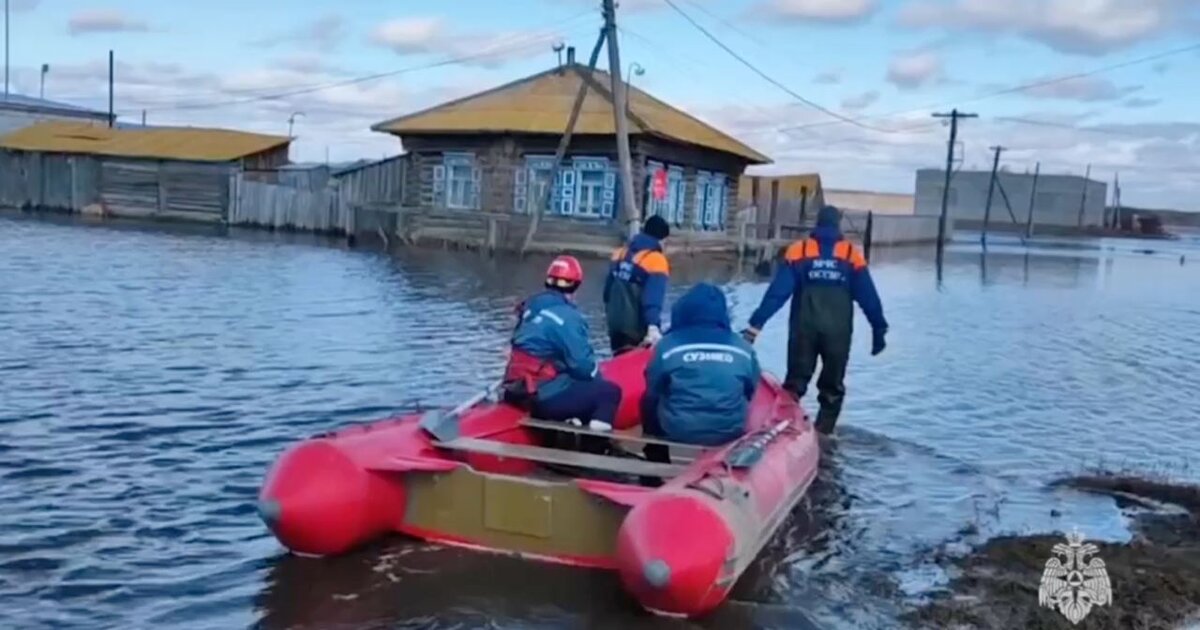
636	286
701	378
823	276
552	369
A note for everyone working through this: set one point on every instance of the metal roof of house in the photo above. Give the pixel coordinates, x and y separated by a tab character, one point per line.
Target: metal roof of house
30	104
542	104
194	144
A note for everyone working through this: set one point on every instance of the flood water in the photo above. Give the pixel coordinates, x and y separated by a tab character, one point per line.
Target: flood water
148	377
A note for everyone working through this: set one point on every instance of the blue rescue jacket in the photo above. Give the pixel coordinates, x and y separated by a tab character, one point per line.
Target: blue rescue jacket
703	375
635	287
552	328
835	272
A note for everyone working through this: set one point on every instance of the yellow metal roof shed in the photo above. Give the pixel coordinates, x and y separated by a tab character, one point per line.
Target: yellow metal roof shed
175	172
503	138
190	144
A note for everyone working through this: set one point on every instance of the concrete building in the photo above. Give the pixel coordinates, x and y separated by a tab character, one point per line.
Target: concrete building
18	112
1057	201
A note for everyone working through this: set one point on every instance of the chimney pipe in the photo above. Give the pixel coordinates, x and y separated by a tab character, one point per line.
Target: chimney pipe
570	55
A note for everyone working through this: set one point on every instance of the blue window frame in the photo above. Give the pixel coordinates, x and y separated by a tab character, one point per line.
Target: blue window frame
456	182
532	181
711	201
671	207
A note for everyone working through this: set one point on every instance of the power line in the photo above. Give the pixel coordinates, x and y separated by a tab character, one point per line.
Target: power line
356	80
1014	89
767	77
511	43
1045	123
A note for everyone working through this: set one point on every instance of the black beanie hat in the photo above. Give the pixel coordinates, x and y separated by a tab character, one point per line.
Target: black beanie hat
657	227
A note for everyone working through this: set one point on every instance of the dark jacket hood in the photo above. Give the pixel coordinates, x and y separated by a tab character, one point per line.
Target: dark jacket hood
643	241
703	305
828	225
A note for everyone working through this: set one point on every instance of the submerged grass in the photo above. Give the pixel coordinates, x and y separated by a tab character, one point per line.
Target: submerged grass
1154	577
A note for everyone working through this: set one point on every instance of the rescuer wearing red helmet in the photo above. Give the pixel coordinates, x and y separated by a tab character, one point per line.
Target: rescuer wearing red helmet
552	369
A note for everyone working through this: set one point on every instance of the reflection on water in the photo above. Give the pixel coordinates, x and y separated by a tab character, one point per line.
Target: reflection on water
150	377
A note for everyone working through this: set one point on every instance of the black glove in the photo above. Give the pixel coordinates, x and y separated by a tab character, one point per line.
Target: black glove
878	343
750	334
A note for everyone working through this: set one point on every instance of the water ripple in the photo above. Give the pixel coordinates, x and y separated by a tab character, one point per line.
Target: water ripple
144	398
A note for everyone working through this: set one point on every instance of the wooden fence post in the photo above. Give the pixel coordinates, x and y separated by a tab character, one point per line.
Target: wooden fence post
776	220
868	237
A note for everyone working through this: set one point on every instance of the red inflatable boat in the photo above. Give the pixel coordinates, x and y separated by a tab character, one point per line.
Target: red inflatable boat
477	477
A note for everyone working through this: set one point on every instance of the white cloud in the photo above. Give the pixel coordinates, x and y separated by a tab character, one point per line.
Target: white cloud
1157	162
861	101
829	77
104	21
431	35
913	69
1091	27
1083	89
828	11
1141	103
413	35
325	34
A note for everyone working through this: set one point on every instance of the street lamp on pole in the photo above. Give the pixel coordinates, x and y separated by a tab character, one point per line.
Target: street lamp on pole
635	69
292	122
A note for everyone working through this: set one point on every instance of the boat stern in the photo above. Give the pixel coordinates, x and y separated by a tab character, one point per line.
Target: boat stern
672	553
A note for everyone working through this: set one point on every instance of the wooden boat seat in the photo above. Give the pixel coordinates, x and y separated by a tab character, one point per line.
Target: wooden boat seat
679	450
621	465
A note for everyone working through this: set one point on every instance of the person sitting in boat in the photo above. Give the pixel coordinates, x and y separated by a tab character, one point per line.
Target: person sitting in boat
701	378
635	288
552	369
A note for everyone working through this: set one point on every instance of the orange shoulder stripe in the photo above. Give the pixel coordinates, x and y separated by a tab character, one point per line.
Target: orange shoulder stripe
652	262
801	250
845	250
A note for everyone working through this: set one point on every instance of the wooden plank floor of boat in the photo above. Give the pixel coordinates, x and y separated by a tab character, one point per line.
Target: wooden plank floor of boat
679	452
621	465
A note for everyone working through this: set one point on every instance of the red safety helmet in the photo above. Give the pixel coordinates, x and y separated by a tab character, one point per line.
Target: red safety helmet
564	272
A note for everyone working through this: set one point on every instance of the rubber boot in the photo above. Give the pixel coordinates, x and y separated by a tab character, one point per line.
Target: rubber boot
826	421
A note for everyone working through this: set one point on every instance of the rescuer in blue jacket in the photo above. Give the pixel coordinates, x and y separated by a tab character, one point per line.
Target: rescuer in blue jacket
702	377
635	288
823	275
552	368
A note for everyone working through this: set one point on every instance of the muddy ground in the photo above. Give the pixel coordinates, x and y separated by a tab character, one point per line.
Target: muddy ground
1155	577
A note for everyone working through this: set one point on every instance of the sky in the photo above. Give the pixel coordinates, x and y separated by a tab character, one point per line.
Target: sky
845	88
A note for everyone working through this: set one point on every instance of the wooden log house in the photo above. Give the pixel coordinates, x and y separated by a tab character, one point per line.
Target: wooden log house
491	154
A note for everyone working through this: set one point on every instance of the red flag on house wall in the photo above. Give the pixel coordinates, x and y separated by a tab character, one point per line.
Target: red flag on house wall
660	185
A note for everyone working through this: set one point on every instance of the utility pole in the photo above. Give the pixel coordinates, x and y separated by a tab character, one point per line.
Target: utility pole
629	199
987	210
6	49
1032	201
565	141
111	117
1083	198
954	115
42	84
292	122
143	118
